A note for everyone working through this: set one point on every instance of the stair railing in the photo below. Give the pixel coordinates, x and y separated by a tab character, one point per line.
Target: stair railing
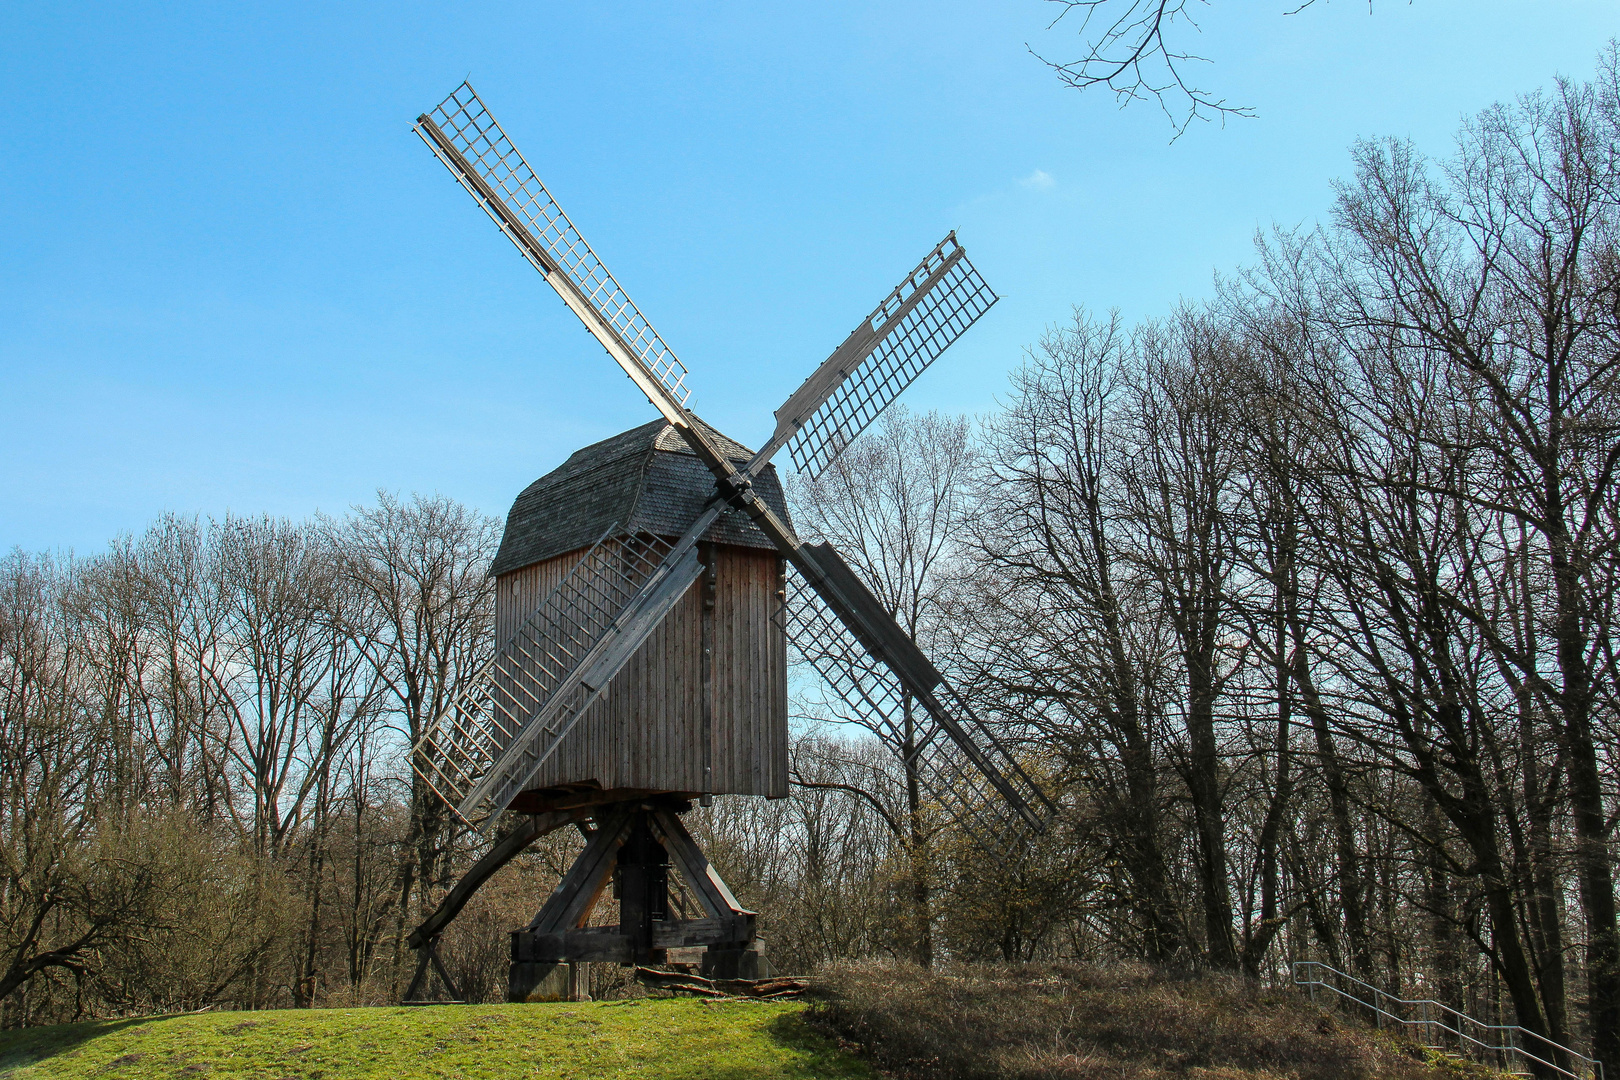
1442	1027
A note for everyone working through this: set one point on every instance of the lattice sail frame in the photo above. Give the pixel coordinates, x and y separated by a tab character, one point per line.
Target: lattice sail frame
473	130
953	305
871	695
463	754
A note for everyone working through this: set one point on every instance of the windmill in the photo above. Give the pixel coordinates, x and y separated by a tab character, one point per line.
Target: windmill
645	594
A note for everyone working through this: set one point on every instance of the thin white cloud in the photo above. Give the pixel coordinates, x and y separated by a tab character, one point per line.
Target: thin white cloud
1039	180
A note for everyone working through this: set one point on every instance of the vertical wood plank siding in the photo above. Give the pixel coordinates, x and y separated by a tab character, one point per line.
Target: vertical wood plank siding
646	732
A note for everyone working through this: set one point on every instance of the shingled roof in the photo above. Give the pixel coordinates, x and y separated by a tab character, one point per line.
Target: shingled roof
646	478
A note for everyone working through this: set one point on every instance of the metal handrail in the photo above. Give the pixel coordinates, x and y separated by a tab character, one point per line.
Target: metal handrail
1513	1032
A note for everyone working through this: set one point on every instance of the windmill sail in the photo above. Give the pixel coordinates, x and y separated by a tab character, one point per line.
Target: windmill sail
465	136
958	761
483	751
479	753
932	307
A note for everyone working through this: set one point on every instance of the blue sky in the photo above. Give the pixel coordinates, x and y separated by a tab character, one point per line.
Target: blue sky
231	279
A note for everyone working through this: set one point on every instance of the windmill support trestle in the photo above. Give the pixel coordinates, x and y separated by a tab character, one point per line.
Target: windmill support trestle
631	847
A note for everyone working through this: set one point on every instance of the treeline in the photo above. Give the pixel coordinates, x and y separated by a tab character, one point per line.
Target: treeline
201	736
205	791
1304	596
1299	600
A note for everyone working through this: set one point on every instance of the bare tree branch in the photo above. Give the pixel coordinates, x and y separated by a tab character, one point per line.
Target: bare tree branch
1128	51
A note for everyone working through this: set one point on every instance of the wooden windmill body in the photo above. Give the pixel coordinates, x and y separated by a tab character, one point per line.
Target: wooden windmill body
701	708
647	590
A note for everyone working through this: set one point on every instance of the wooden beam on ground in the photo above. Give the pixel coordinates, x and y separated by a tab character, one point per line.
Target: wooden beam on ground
680	983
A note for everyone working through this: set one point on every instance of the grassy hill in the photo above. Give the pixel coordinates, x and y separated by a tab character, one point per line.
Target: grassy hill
974	1023
664	1039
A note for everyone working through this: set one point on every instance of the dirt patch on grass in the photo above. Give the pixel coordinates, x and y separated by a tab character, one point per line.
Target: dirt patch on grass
127	1059
1114	1023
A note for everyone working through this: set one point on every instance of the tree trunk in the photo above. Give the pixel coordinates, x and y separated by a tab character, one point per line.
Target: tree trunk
1344	829
1204	784
917	856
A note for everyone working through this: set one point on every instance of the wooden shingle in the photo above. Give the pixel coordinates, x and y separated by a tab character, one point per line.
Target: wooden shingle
642	479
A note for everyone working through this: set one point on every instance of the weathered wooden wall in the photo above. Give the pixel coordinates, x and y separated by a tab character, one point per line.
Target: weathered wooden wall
646	731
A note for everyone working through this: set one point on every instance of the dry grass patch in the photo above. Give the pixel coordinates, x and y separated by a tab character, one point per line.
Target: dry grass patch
1115	1023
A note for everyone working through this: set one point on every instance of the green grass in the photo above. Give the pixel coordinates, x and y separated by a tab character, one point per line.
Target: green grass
657	1039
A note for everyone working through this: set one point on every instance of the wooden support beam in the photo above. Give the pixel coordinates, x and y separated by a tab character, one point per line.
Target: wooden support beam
593	944
428	953
416	980
449	983
609	945
640	839
690	933
712	891
503	851
571	901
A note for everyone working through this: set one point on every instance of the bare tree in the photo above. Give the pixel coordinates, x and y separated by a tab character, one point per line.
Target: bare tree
1064	626
277	582
1497	281
423	566
1177	492
1281	424
896	503
183	703
68	882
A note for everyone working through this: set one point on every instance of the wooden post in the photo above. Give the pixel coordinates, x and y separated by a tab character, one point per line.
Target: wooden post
707	554
643	888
